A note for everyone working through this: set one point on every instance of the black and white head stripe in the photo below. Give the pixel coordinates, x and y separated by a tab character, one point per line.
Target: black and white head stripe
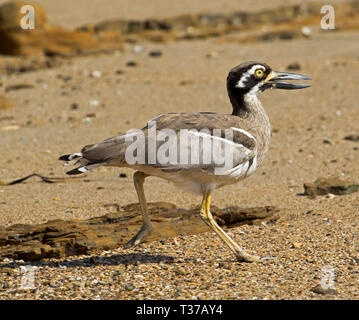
242	82
248	76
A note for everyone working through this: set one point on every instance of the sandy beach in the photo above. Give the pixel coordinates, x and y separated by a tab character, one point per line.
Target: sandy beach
308	130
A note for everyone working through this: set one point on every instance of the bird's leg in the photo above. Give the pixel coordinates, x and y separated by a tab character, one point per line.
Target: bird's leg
146	228
207	217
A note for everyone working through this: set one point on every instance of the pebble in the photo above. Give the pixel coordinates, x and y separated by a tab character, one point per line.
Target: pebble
155	53
137	49
306	31
212	55
129	287
94	103
131	64
96	74
294	66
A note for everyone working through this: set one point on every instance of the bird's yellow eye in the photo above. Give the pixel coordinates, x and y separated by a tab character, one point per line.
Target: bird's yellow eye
259	73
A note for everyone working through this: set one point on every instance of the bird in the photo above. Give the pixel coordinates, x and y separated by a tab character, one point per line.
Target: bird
215	149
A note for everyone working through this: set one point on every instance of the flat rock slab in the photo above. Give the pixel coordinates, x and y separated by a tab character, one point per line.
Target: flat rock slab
335	185
60	238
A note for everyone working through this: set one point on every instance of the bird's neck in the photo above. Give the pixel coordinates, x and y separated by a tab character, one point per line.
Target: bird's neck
247	105
249	108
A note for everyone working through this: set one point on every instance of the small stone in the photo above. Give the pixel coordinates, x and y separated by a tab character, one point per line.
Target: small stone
297	245
155	53
96	74
306	31
10	127
74	106
294	66
94	103
324	186
327	141
179	271
129	287
352	137
131	64
212	55
137	49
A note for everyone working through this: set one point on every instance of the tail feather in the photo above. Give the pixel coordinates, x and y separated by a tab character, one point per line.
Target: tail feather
70	157
84	168
78	170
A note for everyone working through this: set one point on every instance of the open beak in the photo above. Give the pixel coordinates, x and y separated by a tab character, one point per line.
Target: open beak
275	79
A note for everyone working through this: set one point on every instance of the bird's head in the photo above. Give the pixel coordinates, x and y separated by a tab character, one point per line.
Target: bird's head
254	77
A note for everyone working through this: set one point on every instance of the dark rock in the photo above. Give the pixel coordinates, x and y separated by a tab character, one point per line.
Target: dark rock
19	87
59	238
294	66
335	185
155	53
131	64
352	137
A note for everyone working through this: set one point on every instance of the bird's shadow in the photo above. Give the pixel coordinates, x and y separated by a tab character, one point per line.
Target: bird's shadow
113	260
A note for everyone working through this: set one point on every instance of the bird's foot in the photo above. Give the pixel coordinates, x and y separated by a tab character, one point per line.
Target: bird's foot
139	237
246	257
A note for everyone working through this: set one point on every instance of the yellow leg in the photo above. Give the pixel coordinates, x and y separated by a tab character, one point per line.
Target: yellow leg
146	229
207	217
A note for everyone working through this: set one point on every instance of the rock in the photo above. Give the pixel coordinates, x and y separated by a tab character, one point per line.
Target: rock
12	65
294	66
54	41
321	290
335	185
327	141
10	127
96	74
131	64
19	87
129	287
10	15
296	245
137	49
46	39
179	271
352	137
60	238
155	53
199	26
306	31
212	55
94	103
